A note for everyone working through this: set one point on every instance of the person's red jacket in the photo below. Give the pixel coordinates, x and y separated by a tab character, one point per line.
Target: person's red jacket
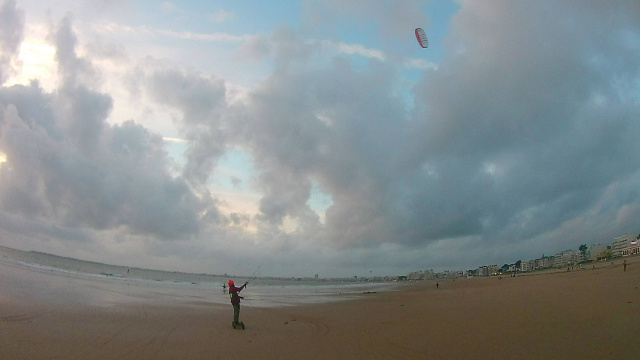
234	293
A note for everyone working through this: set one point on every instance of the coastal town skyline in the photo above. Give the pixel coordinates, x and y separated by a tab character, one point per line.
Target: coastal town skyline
620	246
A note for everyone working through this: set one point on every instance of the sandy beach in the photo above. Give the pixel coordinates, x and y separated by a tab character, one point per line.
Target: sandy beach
582	314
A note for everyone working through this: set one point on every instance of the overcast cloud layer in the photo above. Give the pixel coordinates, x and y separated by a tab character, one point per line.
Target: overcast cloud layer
523	140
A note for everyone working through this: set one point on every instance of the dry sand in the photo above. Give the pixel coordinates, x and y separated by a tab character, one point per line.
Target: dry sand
583	314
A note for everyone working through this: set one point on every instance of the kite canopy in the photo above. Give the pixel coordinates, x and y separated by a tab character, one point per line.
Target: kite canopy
422	38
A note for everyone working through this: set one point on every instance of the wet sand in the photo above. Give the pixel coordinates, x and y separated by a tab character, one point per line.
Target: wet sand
582	314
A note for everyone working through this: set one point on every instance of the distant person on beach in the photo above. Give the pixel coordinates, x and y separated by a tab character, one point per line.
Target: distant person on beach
437	285
624	264
234	294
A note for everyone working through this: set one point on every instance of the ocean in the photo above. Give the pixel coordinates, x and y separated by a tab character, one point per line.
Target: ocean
55	279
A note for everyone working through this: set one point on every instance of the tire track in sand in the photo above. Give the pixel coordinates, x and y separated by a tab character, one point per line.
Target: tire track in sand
17	318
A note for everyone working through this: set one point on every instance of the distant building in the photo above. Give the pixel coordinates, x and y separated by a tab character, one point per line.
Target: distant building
559	260
567	258
593	251
511	268
633	248
483	271
487	270
528	265
416	275
429	274
493	269
536	264
544	262
621	243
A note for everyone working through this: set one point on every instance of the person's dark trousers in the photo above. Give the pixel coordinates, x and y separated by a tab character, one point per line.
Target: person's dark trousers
236	312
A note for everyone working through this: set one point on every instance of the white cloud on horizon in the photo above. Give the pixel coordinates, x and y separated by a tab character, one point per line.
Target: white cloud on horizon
151	32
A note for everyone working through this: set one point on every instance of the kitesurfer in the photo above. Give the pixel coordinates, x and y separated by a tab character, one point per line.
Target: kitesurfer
234	294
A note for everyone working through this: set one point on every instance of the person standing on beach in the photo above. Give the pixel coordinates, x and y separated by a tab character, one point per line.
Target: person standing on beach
234	294
624	264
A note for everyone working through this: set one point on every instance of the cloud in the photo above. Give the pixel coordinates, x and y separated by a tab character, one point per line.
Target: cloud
392	19
200	103
527	108
74	70
507	142
66	165
255	49
222	15
152	32
522	140
11	34
360	50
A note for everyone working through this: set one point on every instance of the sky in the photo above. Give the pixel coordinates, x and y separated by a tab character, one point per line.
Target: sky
317	137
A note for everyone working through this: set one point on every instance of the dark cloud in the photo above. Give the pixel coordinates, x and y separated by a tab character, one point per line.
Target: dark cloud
535	113
525	126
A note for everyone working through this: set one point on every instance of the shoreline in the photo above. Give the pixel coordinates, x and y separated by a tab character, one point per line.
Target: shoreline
60	286
86	267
